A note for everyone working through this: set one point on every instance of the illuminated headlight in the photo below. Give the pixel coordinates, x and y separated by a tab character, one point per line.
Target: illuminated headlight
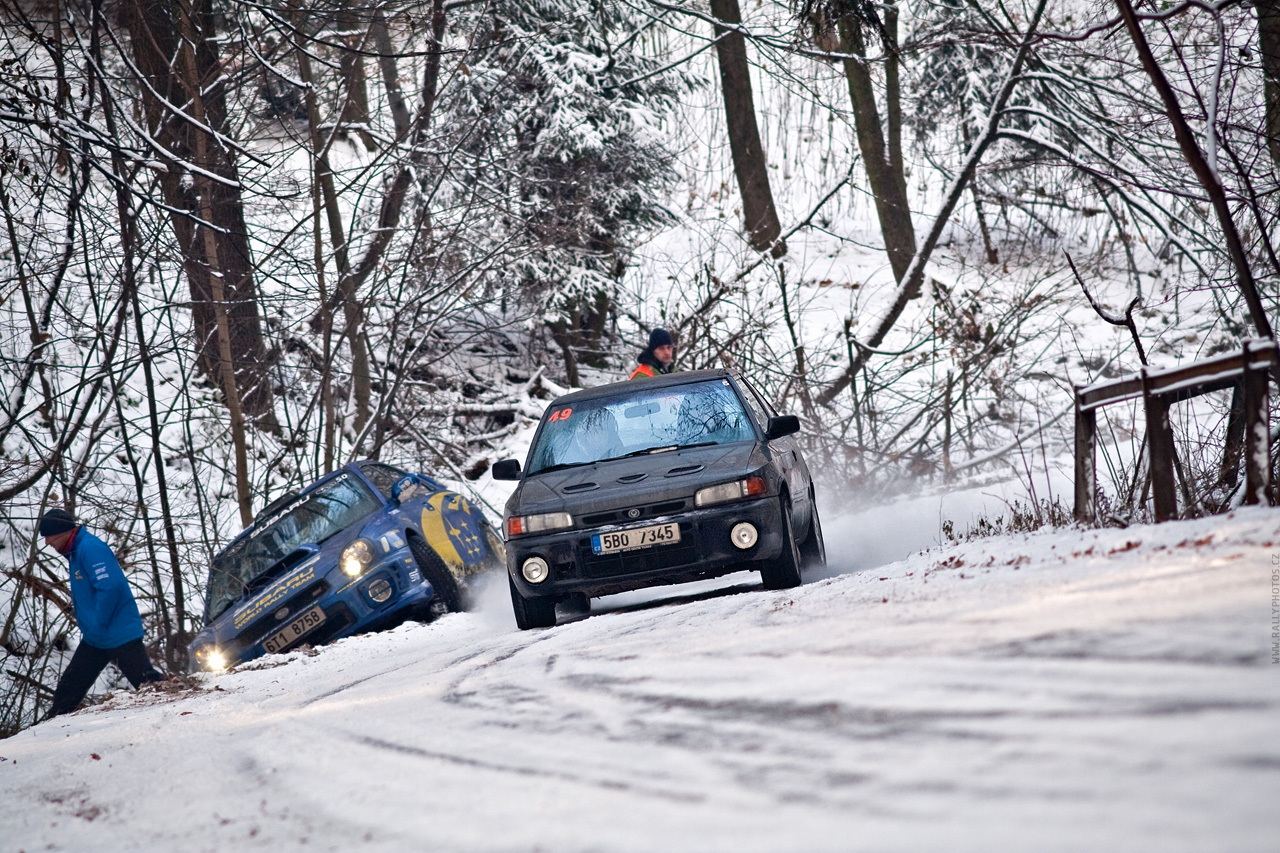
744	535
535	570
209	658
356	557
748	488
518	525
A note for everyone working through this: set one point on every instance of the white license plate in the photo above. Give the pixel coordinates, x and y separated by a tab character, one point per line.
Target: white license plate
637	537
279	641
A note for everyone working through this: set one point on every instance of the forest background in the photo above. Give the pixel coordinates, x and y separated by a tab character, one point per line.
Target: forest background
246	242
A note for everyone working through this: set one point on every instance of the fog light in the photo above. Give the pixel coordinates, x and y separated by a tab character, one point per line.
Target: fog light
744	535
380	590
535	570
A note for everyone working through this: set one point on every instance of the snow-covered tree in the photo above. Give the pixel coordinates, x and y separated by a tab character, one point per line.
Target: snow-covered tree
561	111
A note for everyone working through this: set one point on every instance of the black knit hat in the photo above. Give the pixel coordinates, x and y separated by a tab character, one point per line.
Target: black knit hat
56	521
660	338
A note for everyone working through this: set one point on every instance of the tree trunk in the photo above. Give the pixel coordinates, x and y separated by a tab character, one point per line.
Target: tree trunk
562	335
175	632
393	199
1233	446
347	290
1205	173
759	214
1269	48
355	110
155	29
390	74
884	164
913	276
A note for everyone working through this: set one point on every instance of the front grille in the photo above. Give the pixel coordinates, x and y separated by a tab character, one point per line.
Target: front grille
337	619
620	516
268	623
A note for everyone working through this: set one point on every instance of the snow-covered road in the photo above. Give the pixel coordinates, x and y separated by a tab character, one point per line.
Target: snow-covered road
1070	690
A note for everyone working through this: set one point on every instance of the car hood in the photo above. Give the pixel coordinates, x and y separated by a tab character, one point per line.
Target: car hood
638	479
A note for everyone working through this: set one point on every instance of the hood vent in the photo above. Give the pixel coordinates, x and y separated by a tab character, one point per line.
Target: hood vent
579	487
632	478
684	469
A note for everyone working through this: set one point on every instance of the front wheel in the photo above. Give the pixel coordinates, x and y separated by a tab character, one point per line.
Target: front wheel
575	604
813	551
783	572
531	612
448	598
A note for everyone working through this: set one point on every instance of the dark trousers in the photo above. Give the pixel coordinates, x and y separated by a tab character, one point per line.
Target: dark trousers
87	664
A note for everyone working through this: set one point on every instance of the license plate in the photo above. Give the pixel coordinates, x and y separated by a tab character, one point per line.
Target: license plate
637	537
280	640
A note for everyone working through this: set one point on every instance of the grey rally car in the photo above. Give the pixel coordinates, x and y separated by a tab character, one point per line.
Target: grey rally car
661	481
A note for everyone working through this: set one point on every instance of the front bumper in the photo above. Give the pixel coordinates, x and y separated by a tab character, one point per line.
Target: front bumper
704	551
349	607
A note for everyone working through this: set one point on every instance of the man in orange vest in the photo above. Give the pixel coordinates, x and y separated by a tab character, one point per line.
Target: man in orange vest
655	359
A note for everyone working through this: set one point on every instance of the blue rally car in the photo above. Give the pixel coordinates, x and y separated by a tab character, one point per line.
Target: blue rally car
361	549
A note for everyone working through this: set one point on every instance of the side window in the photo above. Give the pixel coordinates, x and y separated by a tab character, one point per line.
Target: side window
382	476
762	410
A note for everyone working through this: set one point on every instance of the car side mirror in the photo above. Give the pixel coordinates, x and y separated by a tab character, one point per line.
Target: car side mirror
506	469
781	425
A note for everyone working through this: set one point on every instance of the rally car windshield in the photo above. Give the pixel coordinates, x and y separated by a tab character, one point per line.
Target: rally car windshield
643	421
311	518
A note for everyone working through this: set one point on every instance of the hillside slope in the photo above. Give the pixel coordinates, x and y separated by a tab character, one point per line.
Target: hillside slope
1064	690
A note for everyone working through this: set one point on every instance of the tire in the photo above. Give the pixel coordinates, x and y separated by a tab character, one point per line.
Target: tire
813	551
575	604
531	612
783	572
497	548
438	575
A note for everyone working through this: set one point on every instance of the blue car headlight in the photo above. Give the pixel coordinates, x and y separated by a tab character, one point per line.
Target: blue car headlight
356	557
208	657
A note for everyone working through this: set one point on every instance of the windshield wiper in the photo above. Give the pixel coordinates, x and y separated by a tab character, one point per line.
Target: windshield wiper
667	448
560	466
649	450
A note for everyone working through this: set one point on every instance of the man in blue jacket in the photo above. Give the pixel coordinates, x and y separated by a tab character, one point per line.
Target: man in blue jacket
105	611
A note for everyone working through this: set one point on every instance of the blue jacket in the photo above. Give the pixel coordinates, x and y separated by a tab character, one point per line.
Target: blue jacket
105	610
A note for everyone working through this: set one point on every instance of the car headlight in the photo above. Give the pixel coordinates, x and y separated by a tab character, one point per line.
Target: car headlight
356	557
518	525
751	487
209	658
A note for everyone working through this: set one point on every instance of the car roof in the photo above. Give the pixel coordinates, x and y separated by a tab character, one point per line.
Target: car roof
270	508
613	389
